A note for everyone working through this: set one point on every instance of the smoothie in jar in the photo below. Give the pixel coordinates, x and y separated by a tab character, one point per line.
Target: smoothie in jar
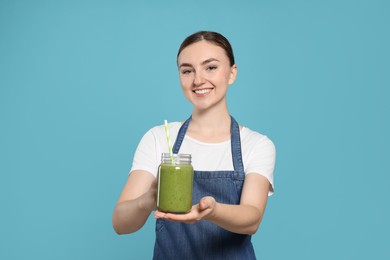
175	180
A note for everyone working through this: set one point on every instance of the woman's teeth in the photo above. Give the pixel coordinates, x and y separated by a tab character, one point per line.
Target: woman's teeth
202	91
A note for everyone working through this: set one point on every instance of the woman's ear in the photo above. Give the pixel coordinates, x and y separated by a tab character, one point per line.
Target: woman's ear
233	74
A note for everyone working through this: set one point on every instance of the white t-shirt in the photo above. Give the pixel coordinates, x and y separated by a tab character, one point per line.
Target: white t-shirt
258	152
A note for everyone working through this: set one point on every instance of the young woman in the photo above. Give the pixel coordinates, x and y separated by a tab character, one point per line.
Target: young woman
233	165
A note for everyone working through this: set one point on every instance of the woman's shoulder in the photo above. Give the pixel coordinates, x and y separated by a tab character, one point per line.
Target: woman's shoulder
252	139
157	135
159	130
252	135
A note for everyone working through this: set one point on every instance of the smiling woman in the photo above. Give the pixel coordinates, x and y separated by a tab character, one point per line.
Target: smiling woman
205	74
233	165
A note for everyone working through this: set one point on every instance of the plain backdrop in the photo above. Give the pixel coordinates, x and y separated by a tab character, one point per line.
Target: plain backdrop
82	81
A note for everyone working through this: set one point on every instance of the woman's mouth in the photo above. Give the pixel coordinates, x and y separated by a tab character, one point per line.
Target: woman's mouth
202	91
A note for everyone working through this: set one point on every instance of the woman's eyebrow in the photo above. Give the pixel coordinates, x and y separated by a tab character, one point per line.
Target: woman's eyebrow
209	60
203	63
185	65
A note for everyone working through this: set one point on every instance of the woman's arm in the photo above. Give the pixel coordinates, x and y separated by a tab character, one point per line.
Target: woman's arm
136	202
244	218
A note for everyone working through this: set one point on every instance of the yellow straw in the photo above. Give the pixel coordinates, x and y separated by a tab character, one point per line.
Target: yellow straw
168	139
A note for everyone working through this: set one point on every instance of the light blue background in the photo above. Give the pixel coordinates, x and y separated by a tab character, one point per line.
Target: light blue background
81	81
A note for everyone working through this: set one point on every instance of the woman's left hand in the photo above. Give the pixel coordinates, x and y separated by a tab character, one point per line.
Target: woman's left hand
200	211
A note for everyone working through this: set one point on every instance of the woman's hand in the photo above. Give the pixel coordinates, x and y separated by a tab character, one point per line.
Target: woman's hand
243	218
200	211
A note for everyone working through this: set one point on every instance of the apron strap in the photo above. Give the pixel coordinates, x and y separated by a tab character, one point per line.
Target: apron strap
236	146
180	135
235	141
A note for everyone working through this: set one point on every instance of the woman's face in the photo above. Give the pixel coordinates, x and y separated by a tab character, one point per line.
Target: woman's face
205	74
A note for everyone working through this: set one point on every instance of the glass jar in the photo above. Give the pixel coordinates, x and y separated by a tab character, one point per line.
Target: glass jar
175	181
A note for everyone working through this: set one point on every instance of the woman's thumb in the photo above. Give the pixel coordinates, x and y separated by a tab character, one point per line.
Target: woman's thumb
205	203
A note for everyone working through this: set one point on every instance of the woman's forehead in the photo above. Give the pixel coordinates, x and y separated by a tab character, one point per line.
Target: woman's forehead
200	51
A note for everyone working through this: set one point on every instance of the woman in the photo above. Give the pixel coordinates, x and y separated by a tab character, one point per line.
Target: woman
233	165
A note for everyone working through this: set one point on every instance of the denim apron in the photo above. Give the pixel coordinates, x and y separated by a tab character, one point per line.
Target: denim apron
205	240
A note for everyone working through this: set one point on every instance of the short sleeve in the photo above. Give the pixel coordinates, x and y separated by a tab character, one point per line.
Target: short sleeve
145	155
261	160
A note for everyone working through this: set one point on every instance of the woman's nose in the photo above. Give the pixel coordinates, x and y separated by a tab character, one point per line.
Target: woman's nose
199	79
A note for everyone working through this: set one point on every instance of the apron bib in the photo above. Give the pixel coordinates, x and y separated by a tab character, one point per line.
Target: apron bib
205	240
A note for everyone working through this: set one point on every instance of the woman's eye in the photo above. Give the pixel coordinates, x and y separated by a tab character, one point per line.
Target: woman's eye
211	67
186	71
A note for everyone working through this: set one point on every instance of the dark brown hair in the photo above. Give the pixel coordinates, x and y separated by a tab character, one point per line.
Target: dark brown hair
212	37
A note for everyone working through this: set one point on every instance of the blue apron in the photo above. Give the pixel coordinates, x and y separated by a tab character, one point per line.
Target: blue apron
205	240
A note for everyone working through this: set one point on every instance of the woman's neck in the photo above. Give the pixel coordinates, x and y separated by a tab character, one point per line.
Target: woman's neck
212	125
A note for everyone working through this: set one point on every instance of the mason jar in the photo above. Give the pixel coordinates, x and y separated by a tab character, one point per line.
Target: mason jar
175	181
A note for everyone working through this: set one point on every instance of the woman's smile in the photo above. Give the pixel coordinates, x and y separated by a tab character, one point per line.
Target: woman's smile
202	92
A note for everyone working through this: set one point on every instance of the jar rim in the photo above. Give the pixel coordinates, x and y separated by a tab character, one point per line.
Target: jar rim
180	158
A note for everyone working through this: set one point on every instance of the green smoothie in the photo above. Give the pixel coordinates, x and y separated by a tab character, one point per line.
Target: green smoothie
175	188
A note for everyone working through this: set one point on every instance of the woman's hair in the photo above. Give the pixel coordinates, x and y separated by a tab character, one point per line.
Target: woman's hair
212	37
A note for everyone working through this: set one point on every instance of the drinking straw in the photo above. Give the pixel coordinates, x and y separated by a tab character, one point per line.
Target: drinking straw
168	139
